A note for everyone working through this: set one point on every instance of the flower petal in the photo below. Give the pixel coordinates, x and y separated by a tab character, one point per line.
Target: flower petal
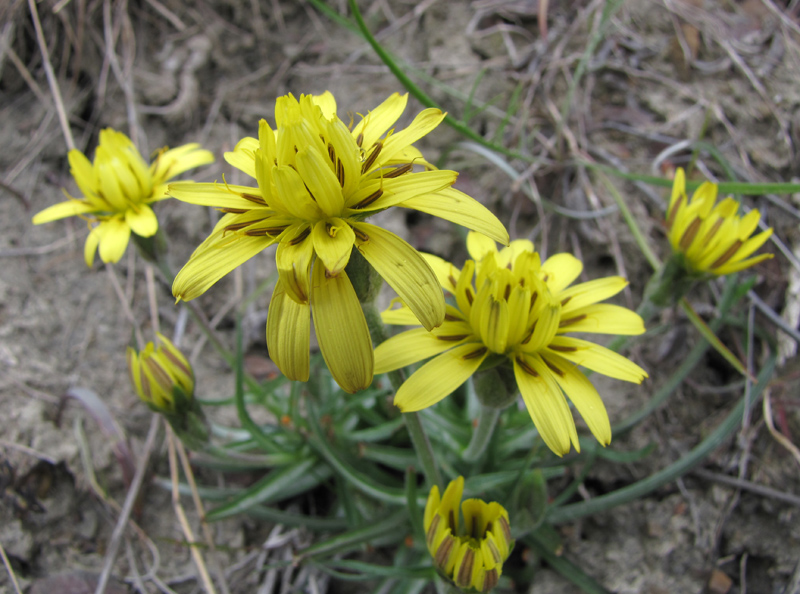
546	404
342	331
583	395
217	195
379	120
405	271
315	171
603	318
457	207
597	358
439	377
446	273
590	292
213	259
293	259
560	270
423	123
409	347
294	196
142	221
83	172
175	161
90	248
114	236
327	103
393	191
243	160
68	208
288	334
333	241
478	245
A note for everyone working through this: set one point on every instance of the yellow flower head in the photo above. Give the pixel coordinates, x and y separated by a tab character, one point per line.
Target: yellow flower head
713	238
470	554
118	189
522	310
317	180
162	376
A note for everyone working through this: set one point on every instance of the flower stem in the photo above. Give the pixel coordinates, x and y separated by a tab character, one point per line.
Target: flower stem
487	421
422	445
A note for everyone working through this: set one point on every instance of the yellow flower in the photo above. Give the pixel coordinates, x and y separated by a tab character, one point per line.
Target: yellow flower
472	554
317	180
712	239
521	311
162	377
118	189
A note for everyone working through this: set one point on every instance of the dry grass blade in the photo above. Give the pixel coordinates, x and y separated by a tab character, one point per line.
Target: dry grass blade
779	437
9	569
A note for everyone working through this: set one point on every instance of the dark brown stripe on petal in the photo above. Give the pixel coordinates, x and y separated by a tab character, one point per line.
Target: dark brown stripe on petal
234	210
475	354
451	318
553	368
562	349
431	534
507	292
453	338
253	198
452	280
688	236
565	301
470	296
490	580
728	254
570	321
505	528
529	335
376	150
370	199
534	297
713	231
399	170
444	551
526	368
464	571
545	277
303	234
674	211
363	237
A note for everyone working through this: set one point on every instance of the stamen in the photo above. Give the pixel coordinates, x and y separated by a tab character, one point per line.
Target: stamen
534	297
369	199
570	321
728	254
565	301
545	277
360	138
376	150
234	210
452	280
451	318
507	292
340	172
529	335
363	237
469	295
526	368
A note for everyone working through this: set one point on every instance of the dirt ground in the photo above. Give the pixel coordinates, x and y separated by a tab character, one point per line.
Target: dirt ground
659	73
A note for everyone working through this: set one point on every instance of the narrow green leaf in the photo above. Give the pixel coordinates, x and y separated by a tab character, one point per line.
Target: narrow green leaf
362	571
355	538
377	433
279	516
398	458
276	486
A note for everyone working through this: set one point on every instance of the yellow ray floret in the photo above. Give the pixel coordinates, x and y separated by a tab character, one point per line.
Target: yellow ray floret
118	188
510	304
712	237
316	181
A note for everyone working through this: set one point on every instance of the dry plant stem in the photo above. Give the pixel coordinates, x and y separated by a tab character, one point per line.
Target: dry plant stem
151	297
9	569
187	529
779	437
51	77
198	504
112	275
127	507
123	78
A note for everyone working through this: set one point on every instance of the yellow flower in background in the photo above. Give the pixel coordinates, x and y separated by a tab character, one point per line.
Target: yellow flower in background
317	180
161	376
470	554
118	189
510	305
713	238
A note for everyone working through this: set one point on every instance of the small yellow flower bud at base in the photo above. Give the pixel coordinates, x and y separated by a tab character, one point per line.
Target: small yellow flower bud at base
164	380
471	555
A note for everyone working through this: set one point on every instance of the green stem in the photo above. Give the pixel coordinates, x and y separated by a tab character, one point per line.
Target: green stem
422	445
487	422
